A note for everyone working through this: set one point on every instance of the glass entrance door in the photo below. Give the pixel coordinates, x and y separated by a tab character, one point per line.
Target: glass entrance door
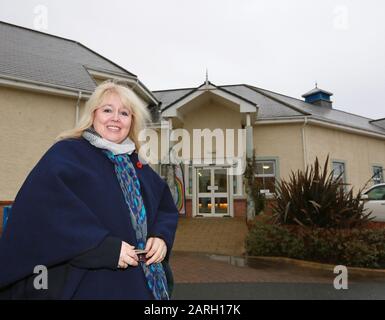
212	191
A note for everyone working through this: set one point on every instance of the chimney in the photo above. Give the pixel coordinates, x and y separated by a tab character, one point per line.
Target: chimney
319	97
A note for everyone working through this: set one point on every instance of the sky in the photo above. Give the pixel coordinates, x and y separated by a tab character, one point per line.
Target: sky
279	45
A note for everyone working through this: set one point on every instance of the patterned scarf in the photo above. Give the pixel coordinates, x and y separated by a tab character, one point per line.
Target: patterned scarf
129	183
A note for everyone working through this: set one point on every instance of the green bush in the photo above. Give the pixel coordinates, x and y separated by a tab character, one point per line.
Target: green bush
350	247
315	198
273	240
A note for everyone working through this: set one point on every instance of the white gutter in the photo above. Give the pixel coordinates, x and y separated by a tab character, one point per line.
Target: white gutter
136	84
279	121
154	125
323	124
126	78
109	74
36	86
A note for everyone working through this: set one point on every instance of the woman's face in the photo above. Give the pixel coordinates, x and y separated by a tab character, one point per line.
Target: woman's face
112	120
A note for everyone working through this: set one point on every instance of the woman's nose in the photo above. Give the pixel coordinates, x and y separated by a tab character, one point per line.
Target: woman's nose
116	116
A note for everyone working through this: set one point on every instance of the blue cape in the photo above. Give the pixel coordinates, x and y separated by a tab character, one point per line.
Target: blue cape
70	202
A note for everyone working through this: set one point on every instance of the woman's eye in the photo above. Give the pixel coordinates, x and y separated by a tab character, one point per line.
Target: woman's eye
126	114
107	110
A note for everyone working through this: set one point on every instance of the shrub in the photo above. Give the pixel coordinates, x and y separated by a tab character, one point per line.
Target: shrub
315	198
273	240
350	247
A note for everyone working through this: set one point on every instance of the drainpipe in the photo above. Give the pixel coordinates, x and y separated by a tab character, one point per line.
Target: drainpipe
304	145
78	108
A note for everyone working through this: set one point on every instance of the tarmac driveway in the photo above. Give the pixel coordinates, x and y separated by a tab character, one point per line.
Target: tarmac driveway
204	276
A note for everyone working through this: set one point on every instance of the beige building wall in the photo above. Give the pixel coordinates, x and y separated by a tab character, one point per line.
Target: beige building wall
212	116
283	141
29	123
205	116
359	152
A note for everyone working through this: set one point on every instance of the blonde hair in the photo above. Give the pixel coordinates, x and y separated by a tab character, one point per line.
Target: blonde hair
140	114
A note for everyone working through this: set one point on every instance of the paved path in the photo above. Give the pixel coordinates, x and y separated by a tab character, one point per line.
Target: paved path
202	268
211	235
207	262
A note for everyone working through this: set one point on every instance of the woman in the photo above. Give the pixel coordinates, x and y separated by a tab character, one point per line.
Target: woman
87	207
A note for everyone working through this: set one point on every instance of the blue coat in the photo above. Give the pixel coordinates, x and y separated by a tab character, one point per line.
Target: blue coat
69	204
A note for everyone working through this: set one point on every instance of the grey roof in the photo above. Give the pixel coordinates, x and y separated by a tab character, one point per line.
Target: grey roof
379	123
31	55
268	107
167	97
275	106
326	114
170	99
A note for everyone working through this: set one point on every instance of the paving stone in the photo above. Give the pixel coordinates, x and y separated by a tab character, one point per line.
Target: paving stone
211	235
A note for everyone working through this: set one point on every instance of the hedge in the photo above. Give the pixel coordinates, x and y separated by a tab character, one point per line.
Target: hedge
349	247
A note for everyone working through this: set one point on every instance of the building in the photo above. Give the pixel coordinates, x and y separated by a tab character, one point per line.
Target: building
44	81
286	133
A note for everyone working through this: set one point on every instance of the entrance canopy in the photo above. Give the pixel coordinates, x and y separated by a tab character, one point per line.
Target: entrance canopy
205	93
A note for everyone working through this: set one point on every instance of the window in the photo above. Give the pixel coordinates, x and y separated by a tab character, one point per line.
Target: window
378	175
377	193
339	170
266	175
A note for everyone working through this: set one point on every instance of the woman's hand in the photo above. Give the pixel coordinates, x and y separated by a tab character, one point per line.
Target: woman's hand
157	250
128	256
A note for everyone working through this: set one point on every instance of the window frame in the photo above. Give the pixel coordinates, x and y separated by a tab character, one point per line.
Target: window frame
376	181
276	174
344	176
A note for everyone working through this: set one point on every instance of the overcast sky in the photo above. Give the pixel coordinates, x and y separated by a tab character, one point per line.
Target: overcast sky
279	45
